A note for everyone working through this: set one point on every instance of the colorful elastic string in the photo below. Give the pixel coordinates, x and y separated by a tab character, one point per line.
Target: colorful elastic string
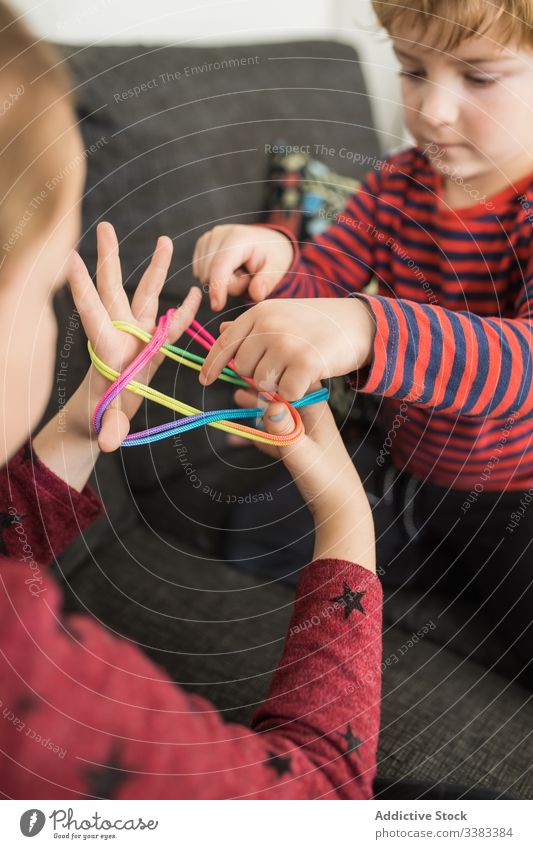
220	419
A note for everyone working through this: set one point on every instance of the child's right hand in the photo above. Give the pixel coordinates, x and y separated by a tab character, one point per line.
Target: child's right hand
326	479
234	258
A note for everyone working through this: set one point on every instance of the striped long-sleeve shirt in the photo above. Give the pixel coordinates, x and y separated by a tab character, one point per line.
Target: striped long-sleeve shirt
453	348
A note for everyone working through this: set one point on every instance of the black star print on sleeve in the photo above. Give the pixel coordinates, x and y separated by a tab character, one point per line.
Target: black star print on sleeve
103	782
352	742
24	704
351	599
278	763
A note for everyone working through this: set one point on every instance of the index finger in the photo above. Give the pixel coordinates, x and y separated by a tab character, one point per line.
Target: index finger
226	268
225	348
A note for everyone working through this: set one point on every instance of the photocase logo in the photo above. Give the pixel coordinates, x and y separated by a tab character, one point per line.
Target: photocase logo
32	822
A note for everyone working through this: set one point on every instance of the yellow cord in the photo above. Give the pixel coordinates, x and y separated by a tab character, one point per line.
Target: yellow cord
154	394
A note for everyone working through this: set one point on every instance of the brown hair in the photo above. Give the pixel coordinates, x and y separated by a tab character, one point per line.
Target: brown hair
36	112
459	19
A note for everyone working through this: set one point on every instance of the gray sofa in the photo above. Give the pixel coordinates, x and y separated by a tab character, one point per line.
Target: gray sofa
176	141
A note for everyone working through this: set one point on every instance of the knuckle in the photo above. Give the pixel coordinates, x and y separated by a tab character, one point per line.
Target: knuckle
284	346
268	323
224	341
263	316
266	381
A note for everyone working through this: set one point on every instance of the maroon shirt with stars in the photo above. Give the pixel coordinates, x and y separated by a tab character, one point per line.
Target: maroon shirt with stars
86	714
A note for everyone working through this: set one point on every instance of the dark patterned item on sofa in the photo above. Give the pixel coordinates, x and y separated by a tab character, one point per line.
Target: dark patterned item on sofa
303	193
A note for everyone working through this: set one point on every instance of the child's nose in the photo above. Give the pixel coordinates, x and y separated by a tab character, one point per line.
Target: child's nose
439	105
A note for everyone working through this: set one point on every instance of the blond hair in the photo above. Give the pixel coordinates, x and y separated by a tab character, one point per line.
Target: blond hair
36	113
459	19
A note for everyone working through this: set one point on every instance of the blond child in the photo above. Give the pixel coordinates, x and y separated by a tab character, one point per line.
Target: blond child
446	227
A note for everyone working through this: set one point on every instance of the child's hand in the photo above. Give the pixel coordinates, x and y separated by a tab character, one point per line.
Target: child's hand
287	345
326	479
234	258
98	308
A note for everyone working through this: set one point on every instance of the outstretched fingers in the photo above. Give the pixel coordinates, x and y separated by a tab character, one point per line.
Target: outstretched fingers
145	301
185	314
94	316
109	273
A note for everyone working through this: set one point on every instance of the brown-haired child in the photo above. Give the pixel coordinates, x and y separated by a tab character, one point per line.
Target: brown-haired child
446	227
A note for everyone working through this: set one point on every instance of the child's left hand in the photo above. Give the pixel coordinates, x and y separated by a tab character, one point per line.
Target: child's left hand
98	308
287	345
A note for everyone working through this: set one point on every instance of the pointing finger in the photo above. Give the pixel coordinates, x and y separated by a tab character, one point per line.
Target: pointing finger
225	348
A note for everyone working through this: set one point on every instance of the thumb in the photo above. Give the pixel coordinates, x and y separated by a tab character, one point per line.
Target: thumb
115	428
277	419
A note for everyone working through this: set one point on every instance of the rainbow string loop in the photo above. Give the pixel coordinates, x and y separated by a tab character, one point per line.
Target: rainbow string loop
220	419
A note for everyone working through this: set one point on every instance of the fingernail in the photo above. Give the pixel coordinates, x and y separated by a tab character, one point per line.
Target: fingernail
277	418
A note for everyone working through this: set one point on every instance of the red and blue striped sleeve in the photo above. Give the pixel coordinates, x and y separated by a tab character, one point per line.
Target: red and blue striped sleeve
452	361
340	261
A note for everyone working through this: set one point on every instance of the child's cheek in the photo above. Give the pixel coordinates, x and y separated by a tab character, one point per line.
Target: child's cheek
411	108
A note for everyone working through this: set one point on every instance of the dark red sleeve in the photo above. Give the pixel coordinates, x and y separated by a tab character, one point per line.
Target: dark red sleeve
39	513
84	714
